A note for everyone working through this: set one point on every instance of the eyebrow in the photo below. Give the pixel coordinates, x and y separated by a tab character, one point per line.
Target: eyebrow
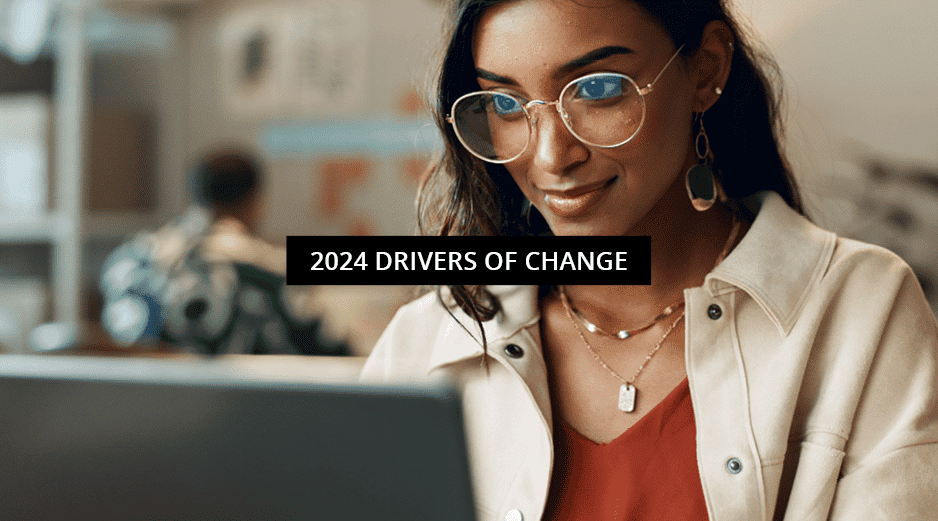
590	57
491	76
565	69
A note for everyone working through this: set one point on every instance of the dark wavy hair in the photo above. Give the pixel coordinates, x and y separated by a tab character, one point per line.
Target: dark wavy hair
463	195
226	178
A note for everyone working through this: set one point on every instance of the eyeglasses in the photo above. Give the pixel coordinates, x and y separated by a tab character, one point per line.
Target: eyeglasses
604	109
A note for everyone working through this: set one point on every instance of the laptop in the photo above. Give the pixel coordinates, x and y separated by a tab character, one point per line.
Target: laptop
119	438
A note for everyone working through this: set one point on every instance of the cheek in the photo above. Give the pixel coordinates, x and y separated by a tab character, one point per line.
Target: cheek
664	141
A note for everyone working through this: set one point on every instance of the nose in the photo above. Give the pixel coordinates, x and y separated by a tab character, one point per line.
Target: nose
556	149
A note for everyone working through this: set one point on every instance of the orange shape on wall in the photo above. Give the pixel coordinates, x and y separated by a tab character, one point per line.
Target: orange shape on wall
360	227
336	177
410	103
414	168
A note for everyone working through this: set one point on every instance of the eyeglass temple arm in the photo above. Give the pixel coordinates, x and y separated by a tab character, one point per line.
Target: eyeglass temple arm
648	88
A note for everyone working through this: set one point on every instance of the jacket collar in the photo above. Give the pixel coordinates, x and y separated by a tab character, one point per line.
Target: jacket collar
461	340
778	263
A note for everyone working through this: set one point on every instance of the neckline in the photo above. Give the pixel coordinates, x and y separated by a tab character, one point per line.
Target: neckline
655	411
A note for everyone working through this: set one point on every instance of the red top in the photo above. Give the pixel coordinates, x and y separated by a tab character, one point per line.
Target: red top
648	473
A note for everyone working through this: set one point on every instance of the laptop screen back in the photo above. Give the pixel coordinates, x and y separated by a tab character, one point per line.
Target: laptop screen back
85	438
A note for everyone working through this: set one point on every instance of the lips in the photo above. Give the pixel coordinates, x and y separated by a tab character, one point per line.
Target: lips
576	201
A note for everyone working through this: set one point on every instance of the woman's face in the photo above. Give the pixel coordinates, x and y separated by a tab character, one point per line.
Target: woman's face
534	48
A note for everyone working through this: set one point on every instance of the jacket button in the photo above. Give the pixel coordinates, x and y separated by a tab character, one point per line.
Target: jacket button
514	515
514	351
734	466
714	312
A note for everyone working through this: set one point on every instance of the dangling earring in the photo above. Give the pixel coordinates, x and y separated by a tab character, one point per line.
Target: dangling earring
701	186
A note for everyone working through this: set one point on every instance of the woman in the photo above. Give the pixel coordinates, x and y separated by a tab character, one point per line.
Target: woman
771	369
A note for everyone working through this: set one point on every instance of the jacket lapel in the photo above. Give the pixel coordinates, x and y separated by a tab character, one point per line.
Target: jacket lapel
776	239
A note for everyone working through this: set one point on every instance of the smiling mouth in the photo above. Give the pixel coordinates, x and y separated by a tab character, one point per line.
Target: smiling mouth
575	202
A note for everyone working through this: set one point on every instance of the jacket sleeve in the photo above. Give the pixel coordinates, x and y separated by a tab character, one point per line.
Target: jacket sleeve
891	469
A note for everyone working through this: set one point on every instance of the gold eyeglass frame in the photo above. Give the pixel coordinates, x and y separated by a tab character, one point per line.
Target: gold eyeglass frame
527	109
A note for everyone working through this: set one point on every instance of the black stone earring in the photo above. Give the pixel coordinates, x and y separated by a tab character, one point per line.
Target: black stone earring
700	183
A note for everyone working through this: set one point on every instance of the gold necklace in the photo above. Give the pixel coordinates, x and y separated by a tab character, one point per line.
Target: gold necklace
665	313
624	333
627	390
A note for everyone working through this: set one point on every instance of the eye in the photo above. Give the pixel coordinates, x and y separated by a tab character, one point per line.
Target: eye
599	88
505	104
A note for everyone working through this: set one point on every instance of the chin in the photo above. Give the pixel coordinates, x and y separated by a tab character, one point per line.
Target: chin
588	227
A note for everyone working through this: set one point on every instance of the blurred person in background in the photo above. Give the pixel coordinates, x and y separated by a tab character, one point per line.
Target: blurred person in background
229	183
206	283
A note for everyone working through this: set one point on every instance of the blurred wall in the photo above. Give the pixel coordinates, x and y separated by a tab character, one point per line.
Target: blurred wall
315	189
356	184
860	82
862	117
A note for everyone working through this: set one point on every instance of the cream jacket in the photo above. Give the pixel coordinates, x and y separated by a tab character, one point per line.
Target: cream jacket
818	381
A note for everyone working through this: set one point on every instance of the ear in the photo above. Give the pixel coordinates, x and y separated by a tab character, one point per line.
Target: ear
710	66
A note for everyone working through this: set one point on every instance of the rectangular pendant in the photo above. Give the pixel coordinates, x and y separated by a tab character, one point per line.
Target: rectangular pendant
627	398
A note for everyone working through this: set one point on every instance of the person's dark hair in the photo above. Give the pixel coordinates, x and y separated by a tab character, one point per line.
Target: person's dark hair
463	195
227	178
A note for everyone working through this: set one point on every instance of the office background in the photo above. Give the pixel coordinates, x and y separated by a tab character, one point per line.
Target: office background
106	105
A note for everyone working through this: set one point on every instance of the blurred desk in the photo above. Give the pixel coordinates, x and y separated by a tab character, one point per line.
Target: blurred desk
95	342
315	368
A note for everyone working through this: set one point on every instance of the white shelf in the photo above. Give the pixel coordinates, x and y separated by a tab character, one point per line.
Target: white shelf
83	28
27	230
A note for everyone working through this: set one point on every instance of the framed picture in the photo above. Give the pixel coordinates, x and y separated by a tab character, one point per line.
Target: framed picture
304	58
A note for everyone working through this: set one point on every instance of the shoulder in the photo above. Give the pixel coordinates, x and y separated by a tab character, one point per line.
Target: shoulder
417	320
229	241
432	332
852	255
870	301
873	275
407	343
869	285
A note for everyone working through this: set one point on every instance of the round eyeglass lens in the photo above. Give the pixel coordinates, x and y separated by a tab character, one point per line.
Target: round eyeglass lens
603	109
491	125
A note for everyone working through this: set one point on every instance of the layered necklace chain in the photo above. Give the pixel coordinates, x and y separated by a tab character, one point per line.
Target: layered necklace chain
626	333
627	391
